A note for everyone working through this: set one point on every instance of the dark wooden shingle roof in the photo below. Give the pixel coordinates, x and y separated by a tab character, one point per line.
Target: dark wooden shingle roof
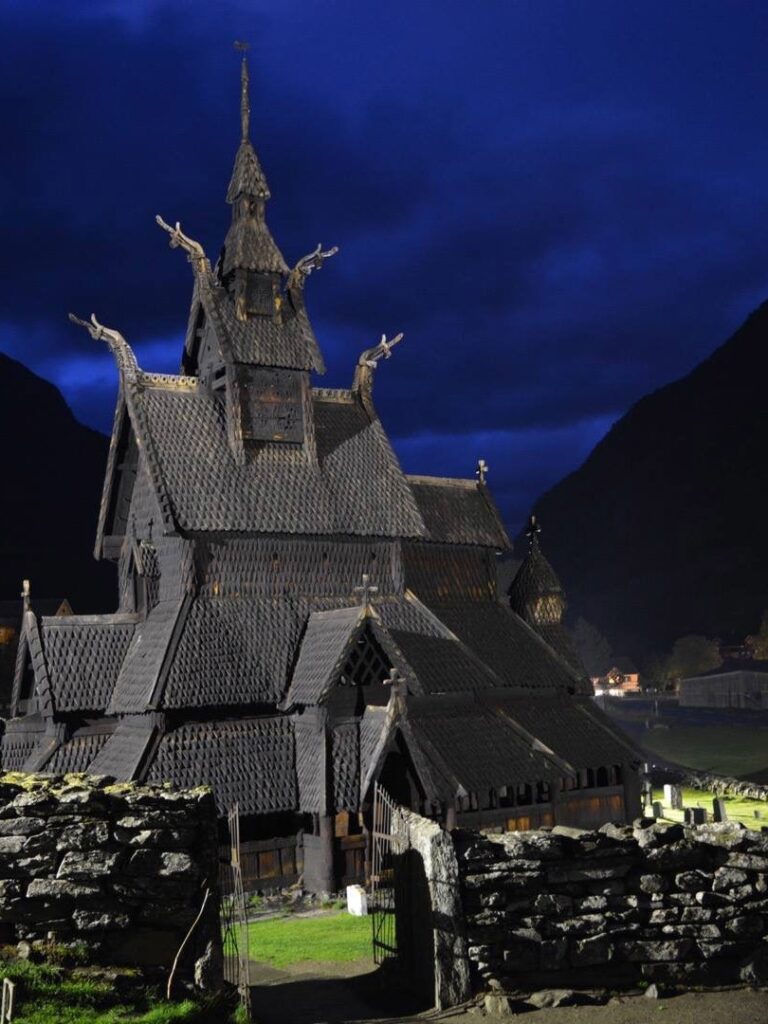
250	761
459	512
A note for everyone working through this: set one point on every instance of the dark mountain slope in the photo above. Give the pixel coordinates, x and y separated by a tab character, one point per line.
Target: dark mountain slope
664	529
52	470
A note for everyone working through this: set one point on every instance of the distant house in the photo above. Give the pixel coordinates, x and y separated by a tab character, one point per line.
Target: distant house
737	683
622	678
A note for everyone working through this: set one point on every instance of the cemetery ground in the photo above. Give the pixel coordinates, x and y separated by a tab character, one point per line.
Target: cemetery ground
724	741
737	808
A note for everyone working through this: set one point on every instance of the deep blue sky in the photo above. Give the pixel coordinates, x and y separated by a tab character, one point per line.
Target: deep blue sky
563	204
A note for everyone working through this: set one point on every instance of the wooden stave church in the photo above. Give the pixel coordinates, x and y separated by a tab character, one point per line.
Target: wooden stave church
298	618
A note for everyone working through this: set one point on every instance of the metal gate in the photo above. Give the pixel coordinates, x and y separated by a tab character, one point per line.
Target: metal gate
234	922
400	906
387	839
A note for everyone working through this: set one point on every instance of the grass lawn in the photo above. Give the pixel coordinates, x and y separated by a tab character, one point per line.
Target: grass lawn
281	941
47	994
724	749
737	808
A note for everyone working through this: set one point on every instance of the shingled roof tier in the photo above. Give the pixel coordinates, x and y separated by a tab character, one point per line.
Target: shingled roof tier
249	762
459	512
355	487
84	655
472	746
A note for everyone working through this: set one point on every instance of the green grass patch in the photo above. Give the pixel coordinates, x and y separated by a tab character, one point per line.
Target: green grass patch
737	808
49	1012
723	749
49	994
336	938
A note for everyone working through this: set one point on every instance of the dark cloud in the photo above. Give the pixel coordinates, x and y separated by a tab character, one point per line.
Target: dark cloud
563	209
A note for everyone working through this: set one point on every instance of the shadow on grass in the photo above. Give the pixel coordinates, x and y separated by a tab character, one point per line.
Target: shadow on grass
380	994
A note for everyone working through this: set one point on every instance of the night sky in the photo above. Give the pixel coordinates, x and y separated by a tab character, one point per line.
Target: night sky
562	204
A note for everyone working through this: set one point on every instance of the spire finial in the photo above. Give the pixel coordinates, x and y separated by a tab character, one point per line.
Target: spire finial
26	594
245	104
482	470
533	531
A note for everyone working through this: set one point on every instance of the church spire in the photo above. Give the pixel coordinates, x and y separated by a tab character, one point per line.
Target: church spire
245	102
249	246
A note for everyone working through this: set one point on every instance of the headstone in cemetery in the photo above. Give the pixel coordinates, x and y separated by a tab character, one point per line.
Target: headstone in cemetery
676	798
357	901
695	816
658	809
647	793
719	811
668	794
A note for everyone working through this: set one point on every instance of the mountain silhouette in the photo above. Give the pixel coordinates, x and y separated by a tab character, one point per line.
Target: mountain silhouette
52	471
663	531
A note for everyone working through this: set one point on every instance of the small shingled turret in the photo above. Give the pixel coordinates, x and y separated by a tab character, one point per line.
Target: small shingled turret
536	593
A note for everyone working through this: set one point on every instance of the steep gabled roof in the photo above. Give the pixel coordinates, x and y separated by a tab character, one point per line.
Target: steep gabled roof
327	640
355	487
30	653
84	655
459	511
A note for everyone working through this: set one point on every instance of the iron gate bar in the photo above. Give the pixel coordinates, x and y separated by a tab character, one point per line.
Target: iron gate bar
386	841
234	918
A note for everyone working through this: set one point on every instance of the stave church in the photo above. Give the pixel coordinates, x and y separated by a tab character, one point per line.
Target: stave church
297	618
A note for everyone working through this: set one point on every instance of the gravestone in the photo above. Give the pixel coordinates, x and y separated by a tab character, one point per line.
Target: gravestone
719	811
673	797
695	816
658	809
357	901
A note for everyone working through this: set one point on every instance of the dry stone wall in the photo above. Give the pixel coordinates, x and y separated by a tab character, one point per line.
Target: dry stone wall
617	907
120	871
723	785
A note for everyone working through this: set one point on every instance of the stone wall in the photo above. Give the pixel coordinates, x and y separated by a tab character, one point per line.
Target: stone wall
613	908
438	865
119	870
722	785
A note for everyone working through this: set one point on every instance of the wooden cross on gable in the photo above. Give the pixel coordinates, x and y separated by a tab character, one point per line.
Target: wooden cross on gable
366	590
26	594
482	470
394	679
397	682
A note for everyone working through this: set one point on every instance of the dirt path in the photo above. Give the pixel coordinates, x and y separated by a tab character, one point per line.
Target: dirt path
343	993
327	993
